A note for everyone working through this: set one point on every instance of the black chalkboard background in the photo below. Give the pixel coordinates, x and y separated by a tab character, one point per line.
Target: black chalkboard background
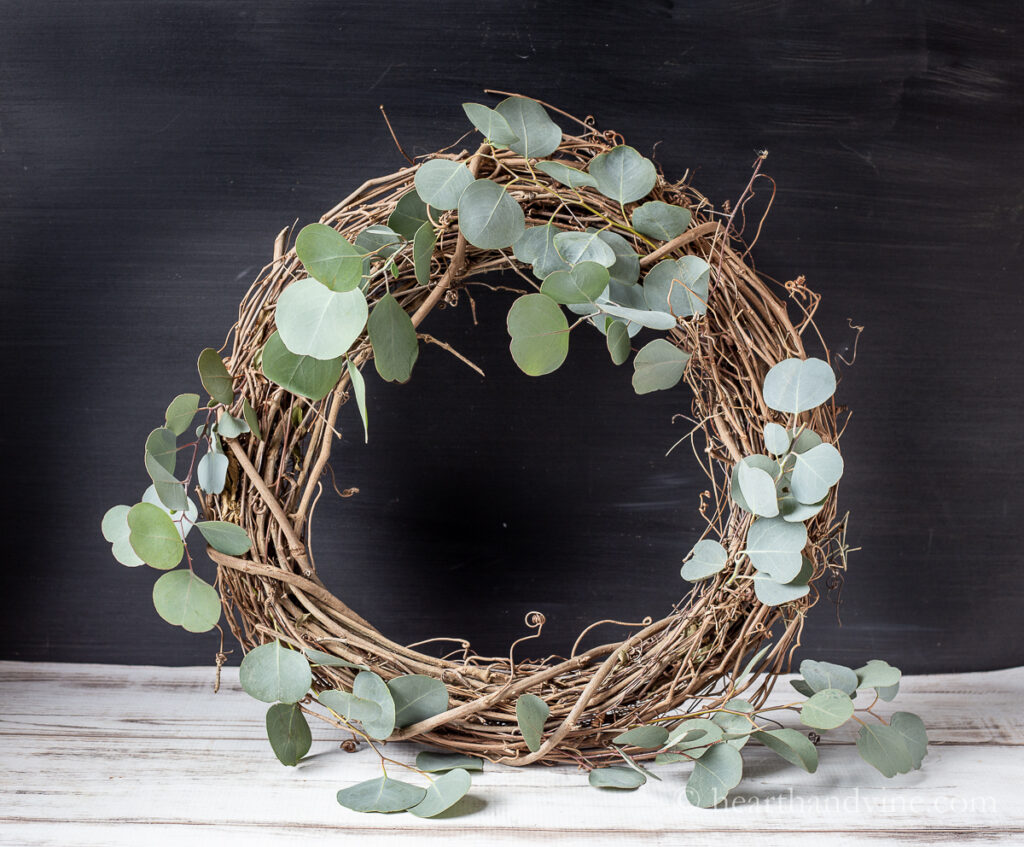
150	152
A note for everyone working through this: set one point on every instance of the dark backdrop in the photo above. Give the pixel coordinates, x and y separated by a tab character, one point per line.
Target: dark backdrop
149	153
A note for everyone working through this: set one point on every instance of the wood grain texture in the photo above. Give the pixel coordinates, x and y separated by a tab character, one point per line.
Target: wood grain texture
149	153
99	754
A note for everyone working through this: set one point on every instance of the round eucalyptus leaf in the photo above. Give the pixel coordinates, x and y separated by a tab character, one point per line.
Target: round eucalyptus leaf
538	242
490	123
531	714
772	593
117	532
395	346
180	412
302	375
162	446
793	746
626	269
288	732
694	737
225	537
409	215
169	489
645	737
215	377
658	366
314	321
678	286
815	472
183	599
773	546
796	385
378	241
714	775
618	342
272	673
228	426
764	463
537	135
576	247
822	675
422	252
661	221
443	792
540	334
827	709
888	692
383	794
329	258
154	537
368	686
431	762
582	282
623	174
776	439
417	697
489	217
212	472
803	440
440	182
616	776
758	489
707	558
912	730
350	708
571	177
359	390
876	674
736	727
884	749
184	519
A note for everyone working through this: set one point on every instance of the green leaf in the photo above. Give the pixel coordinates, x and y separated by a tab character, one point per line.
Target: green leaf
764	463
314	321
212	472
489	217
822	675
180	412
540	334
537	134
796	385
646	737
443	792
706	559
228	426
736	728
803	440
758	488
658	366
162	446
302	375
662	221
884	749
368	686
329	258
643	317
877	674
579	284
377	242
319	657
117	532
422	252
678	286
350	708
912	730
417	697
749	667
536	246
225	537
694	737
169	489
431	762
571	177
625	779
184	519
773	546
288	732
576	247
251	418
802	687
359	390
440	182
531	713
491	124
815	472
623	174
827	709
395	346
714	775
409	215
618	342
772	593
183	599
776	439
795	747
626	269
154	537
215	377
383	794
790	508
272	672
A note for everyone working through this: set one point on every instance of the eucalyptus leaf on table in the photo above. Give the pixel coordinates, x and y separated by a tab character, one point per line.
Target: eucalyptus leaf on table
288	733
442	793
383	794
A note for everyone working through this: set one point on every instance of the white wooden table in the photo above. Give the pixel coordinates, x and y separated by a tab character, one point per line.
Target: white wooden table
109	755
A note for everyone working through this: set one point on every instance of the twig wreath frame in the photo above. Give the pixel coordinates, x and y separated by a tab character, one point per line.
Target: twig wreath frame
580	218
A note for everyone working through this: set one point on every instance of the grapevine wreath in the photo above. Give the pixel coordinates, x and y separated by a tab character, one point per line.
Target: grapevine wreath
596	239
